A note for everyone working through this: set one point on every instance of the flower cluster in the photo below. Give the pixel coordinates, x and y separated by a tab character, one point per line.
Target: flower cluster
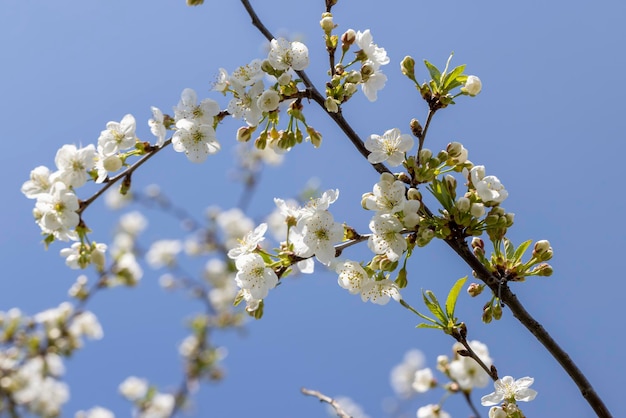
149	403
258	105
344	81
464	374
32	367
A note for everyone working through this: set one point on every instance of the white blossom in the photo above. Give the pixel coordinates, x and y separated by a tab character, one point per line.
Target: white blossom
249	242
160	406
201	113
284	55
74	163
508	389
402	375
488	188
376	55
390	147
235	225
156	125
107	164
95	412
248	74
163	253
352	276
380	291
268	100
372	83
118	136
254	276
40	182
466	371
386	238
132	223
317	234
56	212
245	103
221	82
388	195
197	140
432	411
133	388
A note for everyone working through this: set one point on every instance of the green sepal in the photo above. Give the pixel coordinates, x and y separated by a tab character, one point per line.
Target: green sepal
238	298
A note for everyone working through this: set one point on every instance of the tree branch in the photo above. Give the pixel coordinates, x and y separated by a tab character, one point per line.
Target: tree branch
460	247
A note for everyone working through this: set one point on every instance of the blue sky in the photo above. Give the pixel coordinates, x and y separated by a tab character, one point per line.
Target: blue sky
548	123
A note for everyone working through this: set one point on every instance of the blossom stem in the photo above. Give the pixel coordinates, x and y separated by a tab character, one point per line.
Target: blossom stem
422	137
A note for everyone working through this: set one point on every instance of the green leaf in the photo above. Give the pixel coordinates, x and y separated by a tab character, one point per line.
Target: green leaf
521	250
509	249
435	74
453	296
433	306
429	326
449	78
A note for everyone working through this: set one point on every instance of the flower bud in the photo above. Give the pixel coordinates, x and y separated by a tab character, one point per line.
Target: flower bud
425	155
347	39
497	412
354	77
450	182
478	243
477	210
244	134
543	269
487	315
541	247
327	22
463	204
366	71
331	105
314	136
284	79
472	86
416	128
112	163
414	194
457	152
267	67
261	141
349	89
475	289
387	177
125	186
497	311
408	67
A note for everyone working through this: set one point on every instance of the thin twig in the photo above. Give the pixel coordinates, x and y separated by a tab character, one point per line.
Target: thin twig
111	181
330	401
